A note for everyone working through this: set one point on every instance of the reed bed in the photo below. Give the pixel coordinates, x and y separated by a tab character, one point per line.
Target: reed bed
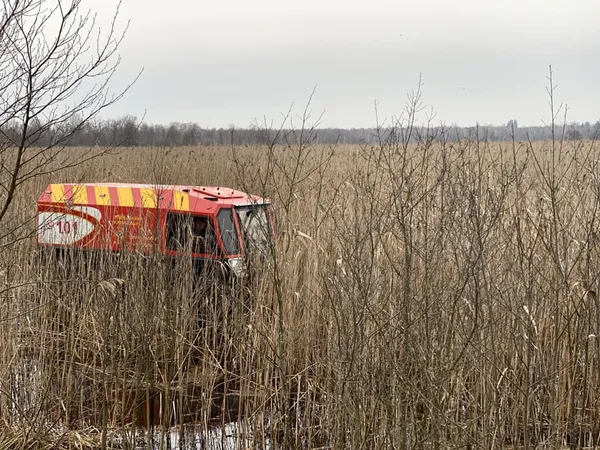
421	296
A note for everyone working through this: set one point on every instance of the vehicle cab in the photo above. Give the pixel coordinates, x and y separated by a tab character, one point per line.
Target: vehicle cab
235	227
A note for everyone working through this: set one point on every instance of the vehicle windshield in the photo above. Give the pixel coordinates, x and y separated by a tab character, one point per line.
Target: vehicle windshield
256	230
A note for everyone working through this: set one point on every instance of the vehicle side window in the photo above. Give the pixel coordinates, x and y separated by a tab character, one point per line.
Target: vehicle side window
228	231
187	233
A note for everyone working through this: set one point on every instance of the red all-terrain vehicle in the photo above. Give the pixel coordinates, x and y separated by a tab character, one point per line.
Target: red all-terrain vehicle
209	224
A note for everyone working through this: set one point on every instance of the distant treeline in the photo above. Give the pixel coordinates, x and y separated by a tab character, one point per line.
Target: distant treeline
128	131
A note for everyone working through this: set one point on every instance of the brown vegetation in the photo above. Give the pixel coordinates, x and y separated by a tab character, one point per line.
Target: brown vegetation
423	296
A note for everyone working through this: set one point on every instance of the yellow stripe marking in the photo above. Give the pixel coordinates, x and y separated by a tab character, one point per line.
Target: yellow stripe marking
181	200
148	197
79	195
102	195
57	192
125	196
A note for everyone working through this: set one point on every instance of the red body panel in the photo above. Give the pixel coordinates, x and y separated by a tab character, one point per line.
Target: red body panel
126	217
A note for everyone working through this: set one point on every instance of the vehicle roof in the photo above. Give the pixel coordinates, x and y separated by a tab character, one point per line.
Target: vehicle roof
173	197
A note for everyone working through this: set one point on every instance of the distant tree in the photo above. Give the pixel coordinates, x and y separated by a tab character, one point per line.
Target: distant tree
129	131
595	133
190	134
173	134
573	134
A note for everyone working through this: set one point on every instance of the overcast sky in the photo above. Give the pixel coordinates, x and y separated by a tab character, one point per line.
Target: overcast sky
235	61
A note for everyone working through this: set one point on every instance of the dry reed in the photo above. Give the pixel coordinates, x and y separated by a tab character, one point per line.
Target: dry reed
430	295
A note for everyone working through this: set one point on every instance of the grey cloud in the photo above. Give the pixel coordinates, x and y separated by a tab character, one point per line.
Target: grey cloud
474	69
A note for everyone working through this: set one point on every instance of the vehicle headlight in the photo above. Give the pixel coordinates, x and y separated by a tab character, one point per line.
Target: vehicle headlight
238	266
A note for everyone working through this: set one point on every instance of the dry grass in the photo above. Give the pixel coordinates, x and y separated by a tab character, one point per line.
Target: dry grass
440	295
